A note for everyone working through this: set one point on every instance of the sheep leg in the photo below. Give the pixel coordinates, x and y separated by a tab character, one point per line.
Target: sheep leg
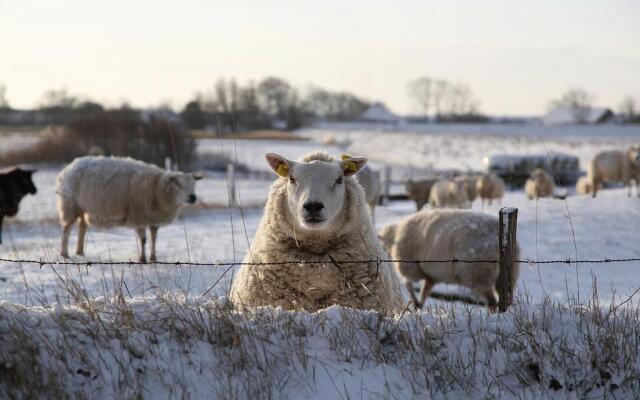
154	234
492	301
1	218
425	291
66	230
412	294
142	238
82	231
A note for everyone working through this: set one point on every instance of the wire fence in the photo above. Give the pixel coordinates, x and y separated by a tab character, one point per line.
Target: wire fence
89	263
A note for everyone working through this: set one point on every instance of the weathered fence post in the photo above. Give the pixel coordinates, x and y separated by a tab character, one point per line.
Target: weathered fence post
231	182
386	184
167	163
507	244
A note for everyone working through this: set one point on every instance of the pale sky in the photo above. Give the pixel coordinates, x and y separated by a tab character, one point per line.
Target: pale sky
515	55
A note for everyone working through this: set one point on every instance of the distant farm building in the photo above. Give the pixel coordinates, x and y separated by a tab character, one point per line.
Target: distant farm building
378	112
586	115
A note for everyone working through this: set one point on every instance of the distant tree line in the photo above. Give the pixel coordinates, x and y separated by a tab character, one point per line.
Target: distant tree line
272	102
446	101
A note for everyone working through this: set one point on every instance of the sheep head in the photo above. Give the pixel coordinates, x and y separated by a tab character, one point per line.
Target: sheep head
315	186
181	186
634	155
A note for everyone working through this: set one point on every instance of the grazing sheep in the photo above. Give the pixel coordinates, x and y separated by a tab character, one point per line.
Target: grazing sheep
15	183
470	183
419	190
490	187
449	194
370	182
447	235
583	186
539	184
316	214
615	166
110	191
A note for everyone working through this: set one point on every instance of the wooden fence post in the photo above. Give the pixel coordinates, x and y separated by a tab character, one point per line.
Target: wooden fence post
507	245
386	184
231	181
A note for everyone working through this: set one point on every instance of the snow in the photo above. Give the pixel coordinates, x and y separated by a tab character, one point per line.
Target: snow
605	227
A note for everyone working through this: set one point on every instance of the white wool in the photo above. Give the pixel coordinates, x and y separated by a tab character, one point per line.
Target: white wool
490	187
539	184
615	166
447	235
449	194
325	274
111	191
419	189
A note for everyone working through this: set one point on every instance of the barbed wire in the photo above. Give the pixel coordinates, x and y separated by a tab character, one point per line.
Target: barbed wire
90	263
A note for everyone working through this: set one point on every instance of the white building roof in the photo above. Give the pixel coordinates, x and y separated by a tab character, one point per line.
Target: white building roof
565	115
378	112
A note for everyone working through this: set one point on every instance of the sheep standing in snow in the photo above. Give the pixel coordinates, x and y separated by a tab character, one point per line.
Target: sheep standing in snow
370	182
316	216
447	235
468	182
583	186
615	166
490	187
449	194
109	191
539	184
419	190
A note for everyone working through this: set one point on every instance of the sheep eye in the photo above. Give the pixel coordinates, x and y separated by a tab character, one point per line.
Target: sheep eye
339	181
292	180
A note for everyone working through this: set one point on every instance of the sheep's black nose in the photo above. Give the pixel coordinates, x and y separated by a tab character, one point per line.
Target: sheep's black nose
313	207
192	198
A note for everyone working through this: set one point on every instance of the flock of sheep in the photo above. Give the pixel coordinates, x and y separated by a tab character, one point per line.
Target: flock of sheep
614	166
458	192
316	244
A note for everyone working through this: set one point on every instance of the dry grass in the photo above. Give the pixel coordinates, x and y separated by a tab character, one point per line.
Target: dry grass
170	346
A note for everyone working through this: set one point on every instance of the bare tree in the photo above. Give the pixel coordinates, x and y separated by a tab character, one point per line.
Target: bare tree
440	89
3	97
275	95
628	108
333	106
421	91
578	101
58	100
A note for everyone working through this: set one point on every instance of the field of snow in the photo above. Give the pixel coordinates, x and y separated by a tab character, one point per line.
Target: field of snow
605	227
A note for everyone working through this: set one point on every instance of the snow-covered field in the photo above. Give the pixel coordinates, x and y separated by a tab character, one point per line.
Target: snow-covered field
605	227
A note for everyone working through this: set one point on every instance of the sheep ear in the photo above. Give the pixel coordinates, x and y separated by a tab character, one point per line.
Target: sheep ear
279	164
352	165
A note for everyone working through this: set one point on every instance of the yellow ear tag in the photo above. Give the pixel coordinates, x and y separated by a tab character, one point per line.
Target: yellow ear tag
344	157
350	166
283	170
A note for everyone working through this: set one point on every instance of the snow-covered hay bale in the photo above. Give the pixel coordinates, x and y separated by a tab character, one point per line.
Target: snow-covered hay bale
314	241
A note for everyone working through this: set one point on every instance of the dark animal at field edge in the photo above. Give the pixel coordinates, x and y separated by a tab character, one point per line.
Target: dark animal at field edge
15	183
